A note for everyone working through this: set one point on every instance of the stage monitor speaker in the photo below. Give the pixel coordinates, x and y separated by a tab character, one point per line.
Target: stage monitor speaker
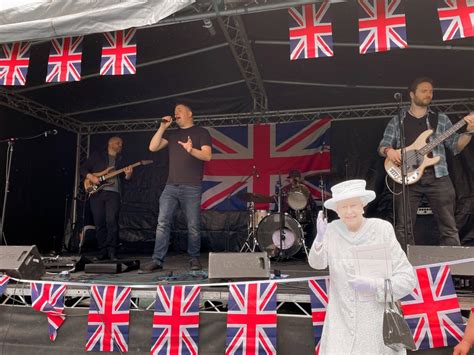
239	266
22	262
430	254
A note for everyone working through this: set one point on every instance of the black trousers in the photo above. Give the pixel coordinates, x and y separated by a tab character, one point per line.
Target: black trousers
105	207
441	196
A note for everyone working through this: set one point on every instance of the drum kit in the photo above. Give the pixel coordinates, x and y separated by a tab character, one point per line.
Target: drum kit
281	233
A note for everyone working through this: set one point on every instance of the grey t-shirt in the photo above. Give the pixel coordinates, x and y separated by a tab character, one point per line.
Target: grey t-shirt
115	180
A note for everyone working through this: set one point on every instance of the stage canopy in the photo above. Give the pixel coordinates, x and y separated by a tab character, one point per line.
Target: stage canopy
191	58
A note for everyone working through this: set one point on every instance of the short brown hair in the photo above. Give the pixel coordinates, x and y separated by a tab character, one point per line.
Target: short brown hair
422	79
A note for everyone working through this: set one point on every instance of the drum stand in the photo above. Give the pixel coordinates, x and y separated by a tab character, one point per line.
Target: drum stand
251	243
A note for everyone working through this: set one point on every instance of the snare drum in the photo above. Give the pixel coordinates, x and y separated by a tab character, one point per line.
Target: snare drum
255	217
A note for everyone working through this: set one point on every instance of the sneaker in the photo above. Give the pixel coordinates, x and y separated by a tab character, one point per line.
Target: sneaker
150	267
195	264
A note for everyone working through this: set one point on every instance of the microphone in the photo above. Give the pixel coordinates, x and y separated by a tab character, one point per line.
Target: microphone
51	133
162	120
397	96
255	172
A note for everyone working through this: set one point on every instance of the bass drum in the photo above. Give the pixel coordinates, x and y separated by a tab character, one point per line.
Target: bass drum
269	240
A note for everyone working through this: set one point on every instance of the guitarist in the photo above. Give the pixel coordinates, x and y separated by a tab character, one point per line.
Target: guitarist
435	183
105	204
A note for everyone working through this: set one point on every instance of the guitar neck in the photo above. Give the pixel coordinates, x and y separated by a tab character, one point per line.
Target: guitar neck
118	172
441	138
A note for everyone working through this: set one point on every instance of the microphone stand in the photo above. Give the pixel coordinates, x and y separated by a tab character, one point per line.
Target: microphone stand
281	252
9	157
401	119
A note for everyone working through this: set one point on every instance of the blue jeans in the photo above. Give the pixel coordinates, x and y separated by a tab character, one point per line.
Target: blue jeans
189	199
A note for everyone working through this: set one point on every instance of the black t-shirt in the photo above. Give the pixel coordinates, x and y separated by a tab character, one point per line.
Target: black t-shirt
183	167
414	127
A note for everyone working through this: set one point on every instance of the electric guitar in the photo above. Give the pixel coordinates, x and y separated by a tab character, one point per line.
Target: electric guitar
108	174
416	156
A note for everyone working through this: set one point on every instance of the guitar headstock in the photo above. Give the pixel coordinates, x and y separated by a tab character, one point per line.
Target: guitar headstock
146	162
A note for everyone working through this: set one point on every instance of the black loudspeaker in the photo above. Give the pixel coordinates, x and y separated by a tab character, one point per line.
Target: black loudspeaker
430	254
22	262
239	266
110	267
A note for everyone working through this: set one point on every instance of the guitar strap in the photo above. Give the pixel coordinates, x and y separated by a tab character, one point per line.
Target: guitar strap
432	120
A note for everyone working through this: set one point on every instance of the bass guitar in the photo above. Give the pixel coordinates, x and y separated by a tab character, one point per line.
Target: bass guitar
106	175
417	159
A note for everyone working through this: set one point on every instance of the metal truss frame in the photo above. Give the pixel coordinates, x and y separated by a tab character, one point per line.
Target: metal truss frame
210	301
35	109
449	107
236	35
144	300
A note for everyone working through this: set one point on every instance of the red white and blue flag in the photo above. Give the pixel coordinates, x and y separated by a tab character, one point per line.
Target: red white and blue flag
64	63
252	319
108	320
119	53
432	309
49	298
4	279
251	158
311	31
176	321
382	26
456	18
319	291
14	62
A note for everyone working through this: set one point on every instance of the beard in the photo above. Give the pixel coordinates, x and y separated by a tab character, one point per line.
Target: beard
421	102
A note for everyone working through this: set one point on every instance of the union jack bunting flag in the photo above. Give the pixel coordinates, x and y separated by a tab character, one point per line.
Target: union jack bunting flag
311	31
119	53
456	18
49	298
382	26
319	290
64	63
108	320
14	61
252	158
176	320
3	283
432	309
252	319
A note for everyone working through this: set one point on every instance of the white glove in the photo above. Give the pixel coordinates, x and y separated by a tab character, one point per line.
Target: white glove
363	284
321	226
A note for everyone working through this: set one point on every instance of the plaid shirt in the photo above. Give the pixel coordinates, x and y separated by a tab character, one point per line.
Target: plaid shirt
391	138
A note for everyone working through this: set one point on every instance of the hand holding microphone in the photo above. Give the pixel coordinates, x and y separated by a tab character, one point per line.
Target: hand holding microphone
166	121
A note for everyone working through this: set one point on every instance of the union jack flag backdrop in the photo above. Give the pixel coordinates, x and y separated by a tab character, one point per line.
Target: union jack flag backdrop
119	53
64	63
3	283
108	320
311	31
432	309
252	319
49	298
382	25
456	18
176	320
14	61
319	291
268	149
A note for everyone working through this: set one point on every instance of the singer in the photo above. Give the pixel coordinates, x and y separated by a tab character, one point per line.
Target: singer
435	183
189	146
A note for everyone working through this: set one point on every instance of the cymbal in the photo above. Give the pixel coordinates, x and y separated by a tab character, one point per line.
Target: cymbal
255	198
321	173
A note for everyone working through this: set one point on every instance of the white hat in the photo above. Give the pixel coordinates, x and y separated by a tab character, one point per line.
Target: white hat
349	189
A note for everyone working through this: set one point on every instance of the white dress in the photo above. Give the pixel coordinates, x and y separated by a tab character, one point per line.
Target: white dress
352	326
